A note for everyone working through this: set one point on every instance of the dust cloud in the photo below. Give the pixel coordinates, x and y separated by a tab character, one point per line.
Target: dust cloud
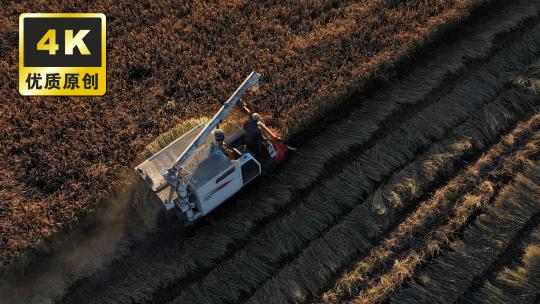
81	254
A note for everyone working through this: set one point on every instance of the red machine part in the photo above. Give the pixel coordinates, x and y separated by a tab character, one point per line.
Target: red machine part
281	150
279	145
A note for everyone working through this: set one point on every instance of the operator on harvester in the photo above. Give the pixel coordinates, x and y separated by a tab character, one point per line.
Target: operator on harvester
253	134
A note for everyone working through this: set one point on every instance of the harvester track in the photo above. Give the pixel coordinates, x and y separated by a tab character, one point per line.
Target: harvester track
515	277
383	140
516	212
284	239
452	208
510	258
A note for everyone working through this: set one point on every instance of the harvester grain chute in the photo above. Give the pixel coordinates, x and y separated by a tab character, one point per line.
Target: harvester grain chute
196	172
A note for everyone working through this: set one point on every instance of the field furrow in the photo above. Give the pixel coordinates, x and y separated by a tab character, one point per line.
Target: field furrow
518	282
251	213
356	233
449	275
322	208
403	192
448	210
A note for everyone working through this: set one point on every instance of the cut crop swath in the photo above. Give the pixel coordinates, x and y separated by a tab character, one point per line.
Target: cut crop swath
292	282
447	277
355	234
436	219
287	236
518	282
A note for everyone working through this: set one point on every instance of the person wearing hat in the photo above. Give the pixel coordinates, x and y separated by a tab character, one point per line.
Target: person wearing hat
253	137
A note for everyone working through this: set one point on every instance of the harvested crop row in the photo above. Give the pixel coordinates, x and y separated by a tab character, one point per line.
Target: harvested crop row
407	96
73	161
284	238
454	201
240	219
353	236
517	283
447	277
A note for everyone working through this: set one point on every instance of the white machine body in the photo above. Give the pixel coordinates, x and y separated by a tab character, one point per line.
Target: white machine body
229	181
196	173
214	177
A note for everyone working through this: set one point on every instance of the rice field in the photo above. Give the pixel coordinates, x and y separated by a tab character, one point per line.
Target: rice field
421	185
62	171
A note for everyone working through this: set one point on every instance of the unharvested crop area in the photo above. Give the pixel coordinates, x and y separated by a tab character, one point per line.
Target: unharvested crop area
417	178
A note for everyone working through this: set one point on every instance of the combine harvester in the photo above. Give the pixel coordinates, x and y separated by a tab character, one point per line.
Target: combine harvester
196	173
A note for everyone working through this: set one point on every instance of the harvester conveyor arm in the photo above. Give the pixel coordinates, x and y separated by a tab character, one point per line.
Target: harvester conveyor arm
251	80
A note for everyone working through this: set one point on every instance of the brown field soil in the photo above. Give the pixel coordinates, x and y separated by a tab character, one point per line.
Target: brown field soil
179	60
416	179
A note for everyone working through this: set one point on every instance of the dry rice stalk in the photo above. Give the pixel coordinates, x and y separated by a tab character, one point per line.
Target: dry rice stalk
450	276
390	281
437	206
381	288
514	284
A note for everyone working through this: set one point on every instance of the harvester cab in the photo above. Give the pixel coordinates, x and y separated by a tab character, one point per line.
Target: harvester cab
197	172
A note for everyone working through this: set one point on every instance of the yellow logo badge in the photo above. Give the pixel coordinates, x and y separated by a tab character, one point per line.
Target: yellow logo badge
62	54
